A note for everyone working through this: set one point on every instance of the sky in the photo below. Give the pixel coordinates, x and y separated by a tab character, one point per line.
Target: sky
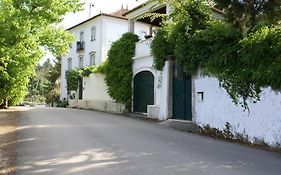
105	6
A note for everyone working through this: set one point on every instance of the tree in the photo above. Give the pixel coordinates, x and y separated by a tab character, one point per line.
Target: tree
44	85
26	28
249	15
38	84
53	86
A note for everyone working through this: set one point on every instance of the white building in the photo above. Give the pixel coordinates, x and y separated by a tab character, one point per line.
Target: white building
93	40
198	99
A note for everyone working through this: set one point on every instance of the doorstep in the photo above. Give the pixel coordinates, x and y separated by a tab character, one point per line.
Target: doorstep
138	115
182	125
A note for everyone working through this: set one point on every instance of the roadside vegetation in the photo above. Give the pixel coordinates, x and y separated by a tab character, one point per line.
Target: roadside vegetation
44	86
26	28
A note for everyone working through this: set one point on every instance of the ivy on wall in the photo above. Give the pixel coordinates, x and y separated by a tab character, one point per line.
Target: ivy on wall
118	72
160	48
245	57
74	75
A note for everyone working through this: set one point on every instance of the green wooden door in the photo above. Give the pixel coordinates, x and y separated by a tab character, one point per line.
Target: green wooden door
182	99
143	91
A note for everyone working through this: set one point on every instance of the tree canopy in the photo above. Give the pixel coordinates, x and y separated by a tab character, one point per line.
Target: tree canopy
26	28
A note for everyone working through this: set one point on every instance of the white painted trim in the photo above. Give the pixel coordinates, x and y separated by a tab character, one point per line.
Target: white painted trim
145	68
141	57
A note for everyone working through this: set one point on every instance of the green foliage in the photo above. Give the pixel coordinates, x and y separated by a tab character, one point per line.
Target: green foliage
37	87
248	15
72	79
74	75
62	103
185	18
160	49
86	71
26	27
118	72
243	51
227	133
53	84
44	87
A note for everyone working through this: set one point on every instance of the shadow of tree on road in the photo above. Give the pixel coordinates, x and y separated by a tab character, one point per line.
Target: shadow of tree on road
8	123
103	155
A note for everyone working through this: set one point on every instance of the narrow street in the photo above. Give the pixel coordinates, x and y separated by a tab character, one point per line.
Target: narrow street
81	142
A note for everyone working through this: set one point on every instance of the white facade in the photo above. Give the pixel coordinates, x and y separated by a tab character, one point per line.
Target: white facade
143	61
107	30
211	105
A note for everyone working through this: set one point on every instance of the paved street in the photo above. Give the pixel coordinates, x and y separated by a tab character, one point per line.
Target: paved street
80	142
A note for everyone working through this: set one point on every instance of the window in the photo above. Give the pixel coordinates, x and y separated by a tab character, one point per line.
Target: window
81	36
92	58
93	33
80	62
69	63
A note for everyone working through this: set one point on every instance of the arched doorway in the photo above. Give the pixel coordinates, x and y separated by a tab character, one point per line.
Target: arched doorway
143	91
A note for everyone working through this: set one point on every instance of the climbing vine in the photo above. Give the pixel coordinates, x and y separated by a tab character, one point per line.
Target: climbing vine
74	75
160	49
244	56
118	72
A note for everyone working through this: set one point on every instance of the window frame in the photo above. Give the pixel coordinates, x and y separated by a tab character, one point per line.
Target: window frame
93	33
69	63
92	55
81	61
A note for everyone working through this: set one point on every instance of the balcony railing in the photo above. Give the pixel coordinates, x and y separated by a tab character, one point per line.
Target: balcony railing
80	46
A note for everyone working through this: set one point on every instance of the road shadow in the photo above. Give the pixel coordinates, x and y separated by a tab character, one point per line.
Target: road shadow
8	135
106	144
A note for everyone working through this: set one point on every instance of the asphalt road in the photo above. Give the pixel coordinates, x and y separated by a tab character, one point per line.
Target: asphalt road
79	142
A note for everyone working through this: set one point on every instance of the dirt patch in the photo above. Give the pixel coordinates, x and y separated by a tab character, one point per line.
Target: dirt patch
8	123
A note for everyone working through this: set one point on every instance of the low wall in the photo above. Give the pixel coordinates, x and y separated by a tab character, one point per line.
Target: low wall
262	123
105	106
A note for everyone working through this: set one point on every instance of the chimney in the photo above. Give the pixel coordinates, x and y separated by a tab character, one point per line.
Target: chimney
127	7
91	5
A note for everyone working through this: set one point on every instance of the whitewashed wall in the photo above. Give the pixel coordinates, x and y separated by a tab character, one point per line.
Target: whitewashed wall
113	29
95	88
108	30
263	121
90	46
143	61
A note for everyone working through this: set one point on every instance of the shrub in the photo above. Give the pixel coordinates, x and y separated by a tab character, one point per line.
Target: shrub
160	48
118	72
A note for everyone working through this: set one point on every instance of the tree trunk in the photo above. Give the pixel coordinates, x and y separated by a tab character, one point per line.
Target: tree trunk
4	105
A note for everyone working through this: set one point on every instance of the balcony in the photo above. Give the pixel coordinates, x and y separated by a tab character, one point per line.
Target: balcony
143	48
80	46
